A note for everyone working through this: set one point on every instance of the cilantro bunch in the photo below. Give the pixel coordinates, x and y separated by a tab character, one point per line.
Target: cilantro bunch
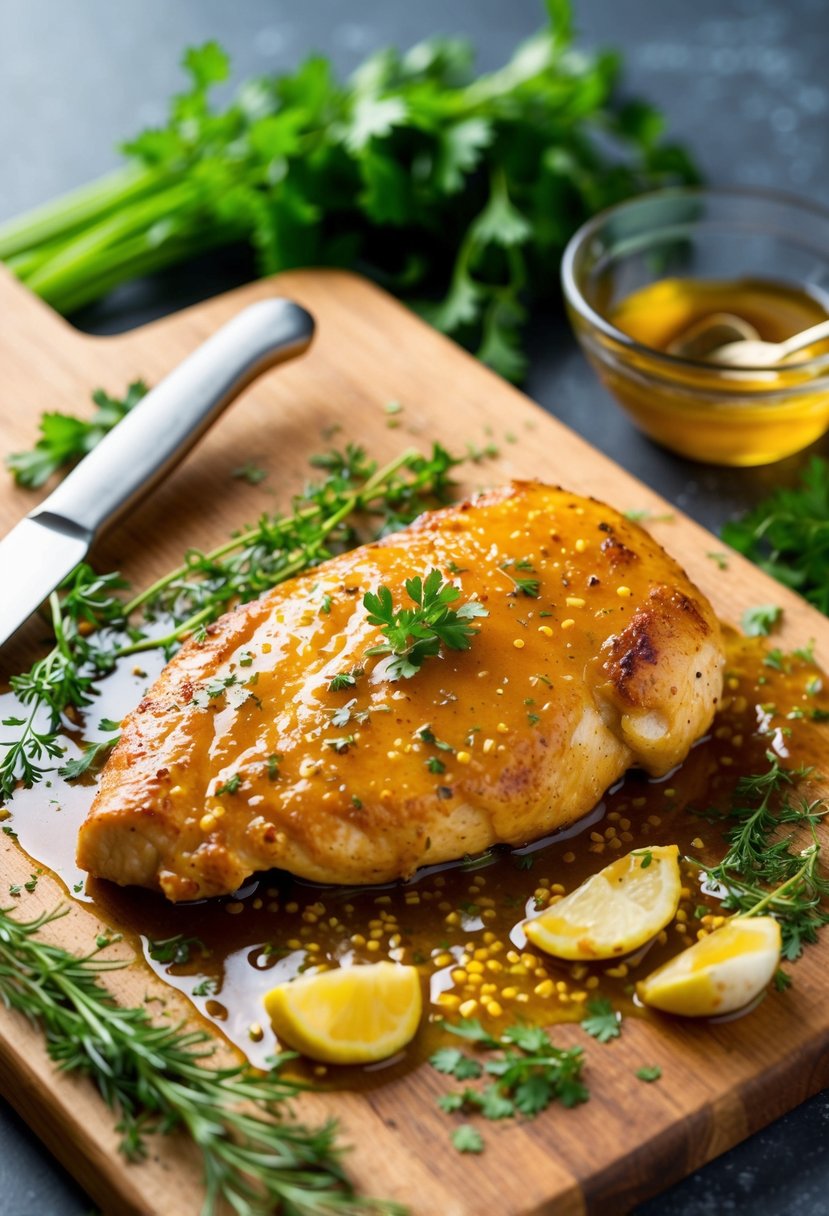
456	191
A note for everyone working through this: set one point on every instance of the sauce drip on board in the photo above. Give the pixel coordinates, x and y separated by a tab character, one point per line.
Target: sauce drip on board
459	923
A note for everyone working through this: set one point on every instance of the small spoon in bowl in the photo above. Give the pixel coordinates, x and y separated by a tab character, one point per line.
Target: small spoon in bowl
711	334
727	339
752	352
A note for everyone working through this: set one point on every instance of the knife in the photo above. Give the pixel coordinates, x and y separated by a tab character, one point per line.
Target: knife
46	546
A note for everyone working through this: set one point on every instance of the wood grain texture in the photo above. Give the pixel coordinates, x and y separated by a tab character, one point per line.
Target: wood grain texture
721	1082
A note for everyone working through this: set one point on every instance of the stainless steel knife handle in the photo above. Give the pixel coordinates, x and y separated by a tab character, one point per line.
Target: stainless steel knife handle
158	431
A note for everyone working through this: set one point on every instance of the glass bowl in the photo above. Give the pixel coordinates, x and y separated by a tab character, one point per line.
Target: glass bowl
704	411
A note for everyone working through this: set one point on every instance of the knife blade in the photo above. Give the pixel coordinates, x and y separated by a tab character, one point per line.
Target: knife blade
40	558
47	545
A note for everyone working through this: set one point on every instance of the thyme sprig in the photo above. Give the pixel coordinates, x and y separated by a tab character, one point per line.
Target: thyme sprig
763	871
95	626
158	1079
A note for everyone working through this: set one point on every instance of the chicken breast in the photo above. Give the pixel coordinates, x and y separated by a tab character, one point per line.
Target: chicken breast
597	653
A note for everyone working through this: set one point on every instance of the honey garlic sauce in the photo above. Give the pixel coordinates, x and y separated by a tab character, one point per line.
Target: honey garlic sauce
460	923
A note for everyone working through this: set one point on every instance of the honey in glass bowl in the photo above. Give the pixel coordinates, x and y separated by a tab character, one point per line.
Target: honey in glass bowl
643	273
659	314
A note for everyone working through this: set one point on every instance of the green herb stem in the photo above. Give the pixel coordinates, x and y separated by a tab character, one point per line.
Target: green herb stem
256	1157
311	171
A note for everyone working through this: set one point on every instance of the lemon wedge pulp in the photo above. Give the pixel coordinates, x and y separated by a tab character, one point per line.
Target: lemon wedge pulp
352	1015
614	911
719	973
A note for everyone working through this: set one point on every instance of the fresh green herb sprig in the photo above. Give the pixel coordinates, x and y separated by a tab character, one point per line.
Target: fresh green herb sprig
762	871
178	949
65	439
95	625
787	535
158	1080
480	179
528	1072
601	1020
416	634
525	583
760	620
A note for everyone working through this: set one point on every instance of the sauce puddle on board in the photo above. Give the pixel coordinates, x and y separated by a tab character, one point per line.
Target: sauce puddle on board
460	924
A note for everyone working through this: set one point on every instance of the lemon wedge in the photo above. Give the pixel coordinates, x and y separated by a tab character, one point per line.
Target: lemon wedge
615	911
719	973
352	1015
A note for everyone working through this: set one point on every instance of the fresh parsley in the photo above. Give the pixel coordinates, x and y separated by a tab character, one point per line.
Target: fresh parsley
649	1072
760	620
251	473
787	535
467	1139
345	679
525	1072
91	759
522	579
416	634
231	786
177	950
601	1020
480	178
65	439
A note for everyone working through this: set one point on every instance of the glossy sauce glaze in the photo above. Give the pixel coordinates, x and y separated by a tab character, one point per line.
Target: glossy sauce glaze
460	924
595	652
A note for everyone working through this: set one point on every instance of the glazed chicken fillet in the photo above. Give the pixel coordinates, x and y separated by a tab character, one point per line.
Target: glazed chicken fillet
241	758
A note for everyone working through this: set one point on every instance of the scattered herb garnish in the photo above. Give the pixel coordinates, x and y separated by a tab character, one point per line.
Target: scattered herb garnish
416	634
467	1139
158	1080
528	1072
643	515
602	1021
176	949
94	625
345	679
455	1063
205	987
231	786
458	187
91	759
649	1072
65	439
760	620
524	585
251	473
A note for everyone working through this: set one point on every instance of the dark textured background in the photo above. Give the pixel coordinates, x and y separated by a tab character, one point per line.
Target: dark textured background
743	81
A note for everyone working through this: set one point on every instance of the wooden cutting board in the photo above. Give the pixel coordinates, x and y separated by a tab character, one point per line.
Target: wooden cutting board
720	1083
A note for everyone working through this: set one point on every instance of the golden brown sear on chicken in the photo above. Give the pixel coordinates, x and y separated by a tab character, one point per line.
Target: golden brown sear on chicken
249	753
